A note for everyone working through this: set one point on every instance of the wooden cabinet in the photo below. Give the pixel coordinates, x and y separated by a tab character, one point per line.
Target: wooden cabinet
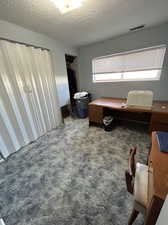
160	117
158	159
157	181
95	114
159	122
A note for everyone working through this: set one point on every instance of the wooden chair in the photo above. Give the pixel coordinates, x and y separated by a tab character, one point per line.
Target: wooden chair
137	184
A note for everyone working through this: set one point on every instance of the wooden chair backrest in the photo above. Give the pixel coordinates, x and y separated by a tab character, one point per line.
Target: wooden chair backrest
132	163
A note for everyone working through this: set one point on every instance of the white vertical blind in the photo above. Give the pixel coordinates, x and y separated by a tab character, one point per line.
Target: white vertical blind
28	97
138	60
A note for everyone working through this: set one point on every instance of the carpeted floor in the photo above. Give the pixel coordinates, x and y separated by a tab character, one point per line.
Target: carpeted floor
72	176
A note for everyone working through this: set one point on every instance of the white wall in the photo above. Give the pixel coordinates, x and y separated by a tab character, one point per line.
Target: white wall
58	51
136	40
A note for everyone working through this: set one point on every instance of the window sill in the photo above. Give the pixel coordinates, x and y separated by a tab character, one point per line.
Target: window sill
128	80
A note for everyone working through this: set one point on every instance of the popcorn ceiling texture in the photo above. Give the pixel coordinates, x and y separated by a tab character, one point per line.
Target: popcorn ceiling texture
73	175
95	21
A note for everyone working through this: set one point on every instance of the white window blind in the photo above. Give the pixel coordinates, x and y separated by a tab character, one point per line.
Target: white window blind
134	65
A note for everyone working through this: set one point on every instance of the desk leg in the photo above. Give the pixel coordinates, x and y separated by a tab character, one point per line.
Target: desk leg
133	216
153	211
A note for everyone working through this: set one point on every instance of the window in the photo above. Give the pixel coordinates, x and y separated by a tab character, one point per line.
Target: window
137	65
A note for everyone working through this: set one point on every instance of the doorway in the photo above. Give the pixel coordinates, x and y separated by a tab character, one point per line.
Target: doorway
71	64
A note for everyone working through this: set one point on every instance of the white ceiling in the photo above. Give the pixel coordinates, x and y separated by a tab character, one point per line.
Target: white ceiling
96	20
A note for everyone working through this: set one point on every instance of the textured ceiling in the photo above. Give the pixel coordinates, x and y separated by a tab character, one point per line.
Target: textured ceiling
96	20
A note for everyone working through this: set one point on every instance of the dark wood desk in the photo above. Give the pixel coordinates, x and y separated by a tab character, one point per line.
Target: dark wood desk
157	181
156	117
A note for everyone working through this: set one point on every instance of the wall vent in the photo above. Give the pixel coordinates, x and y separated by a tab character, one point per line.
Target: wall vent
137	28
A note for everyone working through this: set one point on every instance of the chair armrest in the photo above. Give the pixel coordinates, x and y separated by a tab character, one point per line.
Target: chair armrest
129	182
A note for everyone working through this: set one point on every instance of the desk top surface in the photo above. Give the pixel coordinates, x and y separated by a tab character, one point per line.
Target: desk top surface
117	103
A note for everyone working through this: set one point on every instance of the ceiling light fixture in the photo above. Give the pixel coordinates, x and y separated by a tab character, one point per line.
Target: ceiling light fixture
67	5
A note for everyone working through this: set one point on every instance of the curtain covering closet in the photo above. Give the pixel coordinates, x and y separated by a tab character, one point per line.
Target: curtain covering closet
28	97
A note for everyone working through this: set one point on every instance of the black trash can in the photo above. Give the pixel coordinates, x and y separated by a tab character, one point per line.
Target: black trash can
108	123
82	107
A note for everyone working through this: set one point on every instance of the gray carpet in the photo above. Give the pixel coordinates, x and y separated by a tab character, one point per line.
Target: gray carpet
72	176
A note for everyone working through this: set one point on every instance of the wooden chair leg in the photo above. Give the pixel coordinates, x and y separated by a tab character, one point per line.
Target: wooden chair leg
133	216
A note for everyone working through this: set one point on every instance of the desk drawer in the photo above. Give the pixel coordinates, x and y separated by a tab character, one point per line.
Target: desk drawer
156	126
159	122
160	118
96	114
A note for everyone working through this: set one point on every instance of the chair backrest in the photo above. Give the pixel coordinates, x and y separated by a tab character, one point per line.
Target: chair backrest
130	173
132	163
